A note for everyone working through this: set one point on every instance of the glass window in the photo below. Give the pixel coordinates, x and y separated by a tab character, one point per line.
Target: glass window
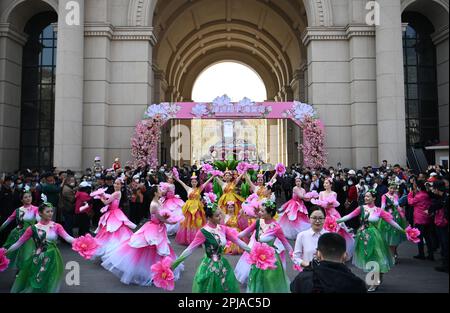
422	126
38	93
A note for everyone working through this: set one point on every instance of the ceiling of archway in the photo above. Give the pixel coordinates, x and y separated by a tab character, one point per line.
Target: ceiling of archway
267	31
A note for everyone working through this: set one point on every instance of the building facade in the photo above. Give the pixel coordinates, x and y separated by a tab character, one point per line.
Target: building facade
76	76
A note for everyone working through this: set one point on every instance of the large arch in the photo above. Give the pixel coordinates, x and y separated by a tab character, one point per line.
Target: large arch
231	55
436	12
15	36
319	12
18	12
190	32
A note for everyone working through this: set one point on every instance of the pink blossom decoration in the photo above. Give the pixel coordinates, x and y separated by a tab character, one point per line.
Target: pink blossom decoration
86	246
280	169
313	147
412	234
145	142
262	256
163	276
297	268
4	261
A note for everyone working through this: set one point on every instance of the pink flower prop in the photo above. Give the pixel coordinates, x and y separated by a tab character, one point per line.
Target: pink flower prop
242	167
207	168
330	224
262	256
4	261
412	234
329	202
280	169
98	193
312	195
86	246
163	276
297	267
254	167
170	216
216	173
251	205
252	197
175	173
211	196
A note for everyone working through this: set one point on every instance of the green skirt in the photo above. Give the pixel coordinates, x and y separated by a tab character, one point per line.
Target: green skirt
42	273
18	257
371	247
391	235
215	277
268	281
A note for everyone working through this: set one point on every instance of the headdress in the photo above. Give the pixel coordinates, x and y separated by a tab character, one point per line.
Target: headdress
260	174
227	171
194	176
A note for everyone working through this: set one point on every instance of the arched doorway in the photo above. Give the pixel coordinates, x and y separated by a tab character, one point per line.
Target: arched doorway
265	35
425	58
26	98
38	92
194	35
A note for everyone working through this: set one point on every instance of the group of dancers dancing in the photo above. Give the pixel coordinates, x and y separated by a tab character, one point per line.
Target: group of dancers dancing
224	224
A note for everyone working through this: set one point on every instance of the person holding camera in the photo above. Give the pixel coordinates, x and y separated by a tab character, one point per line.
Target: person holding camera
419	199
439	210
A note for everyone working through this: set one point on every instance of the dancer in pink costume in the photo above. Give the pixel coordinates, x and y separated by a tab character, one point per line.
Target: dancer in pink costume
172	202
132	260
327	200
114	227
295	215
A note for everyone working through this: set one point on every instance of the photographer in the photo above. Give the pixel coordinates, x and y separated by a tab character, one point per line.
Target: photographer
419	199
439	210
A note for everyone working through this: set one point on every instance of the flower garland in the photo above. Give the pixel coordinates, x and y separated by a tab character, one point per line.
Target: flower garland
145	142
313	147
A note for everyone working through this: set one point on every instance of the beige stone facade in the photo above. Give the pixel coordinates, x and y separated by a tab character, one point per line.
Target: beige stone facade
126	54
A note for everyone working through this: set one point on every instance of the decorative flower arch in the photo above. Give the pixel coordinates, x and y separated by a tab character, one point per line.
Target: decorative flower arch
147	136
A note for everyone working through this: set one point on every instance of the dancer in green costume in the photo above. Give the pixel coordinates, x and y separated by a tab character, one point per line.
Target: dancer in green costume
42	273
24	217
215	274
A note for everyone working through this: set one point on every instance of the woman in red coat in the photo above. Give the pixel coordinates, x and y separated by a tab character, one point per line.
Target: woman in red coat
419	199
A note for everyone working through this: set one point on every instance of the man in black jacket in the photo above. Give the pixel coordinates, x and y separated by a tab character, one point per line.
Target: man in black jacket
439	209
329	274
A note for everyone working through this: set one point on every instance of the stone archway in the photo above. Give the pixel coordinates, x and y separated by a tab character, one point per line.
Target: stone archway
436	12
263	35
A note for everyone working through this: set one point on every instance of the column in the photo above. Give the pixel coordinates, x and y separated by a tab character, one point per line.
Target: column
440	39
11	43
390	88
68	138
329	88
363	94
